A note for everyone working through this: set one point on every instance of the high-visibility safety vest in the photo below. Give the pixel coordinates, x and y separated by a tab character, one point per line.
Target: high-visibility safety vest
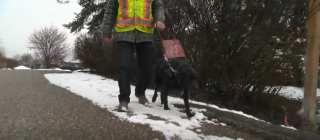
135	14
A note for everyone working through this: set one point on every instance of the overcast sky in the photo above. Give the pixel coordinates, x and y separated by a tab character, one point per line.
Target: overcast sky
19	19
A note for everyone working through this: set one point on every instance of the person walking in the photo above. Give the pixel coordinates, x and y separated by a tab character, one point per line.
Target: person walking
134	22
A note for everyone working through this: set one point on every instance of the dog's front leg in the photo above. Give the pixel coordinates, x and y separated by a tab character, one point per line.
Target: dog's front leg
155	95
164	96
186	103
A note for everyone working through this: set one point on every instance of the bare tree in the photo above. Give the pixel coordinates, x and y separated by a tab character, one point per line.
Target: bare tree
37	58
17	57
12	63
51	44
2	59
26	59
2	52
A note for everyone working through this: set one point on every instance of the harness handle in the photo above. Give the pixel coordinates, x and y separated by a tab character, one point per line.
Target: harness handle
171	34
162	50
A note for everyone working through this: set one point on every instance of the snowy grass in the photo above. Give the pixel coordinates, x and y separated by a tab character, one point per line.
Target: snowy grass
104	93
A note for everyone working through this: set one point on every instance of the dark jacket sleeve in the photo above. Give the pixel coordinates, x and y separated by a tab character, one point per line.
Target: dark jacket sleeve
109	18
158	11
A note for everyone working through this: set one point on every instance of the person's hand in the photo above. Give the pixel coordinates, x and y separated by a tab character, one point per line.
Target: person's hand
159	25
107	40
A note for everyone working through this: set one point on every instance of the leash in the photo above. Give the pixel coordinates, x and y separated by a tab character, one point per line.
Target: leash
285	115
286	119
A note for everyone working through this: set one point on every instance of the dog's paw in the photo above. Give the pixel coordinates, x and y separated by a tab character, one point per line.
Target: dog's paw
166	108
190	115
154	98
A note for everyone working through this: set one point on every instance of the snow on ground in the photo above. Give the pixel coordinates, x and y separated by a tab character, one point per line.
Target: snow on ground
57	69
22	68
294	93
226	110
87	70
289	127
104	93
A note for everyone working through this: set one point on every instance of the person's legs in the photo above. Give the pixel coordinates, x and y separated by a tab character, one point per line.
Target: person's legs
126	51
145	55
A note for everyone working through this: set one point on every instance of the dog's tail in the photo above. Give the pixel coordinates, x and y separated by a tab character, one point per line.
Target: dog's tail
155	95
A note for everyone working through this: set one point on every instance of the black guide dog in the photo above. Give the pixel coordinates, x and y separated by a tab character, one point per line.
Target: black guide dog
185	80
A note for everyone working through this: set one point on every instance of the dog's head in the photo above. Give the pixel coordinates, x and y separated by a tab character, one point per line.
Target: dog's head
189	79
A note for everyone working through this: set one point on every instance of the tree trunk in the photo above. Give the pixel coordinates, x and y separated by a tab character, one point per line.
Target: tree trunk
47	62
311	65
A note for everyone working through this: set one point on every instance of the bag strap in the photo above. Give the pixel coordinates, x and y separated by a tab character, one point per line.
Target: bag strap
167	29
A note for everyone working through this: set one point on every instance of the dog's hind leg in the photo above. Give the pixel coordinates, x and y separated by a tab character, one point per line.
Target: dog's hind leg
162	97
165	99
186	103
155	95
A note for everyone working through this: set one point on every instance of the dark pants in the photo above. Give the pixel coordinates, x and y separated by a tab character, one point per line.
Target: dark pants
145	55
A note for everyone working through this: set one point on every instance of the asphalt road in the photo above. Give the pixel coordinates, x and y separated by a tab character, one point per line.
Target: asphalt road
32	108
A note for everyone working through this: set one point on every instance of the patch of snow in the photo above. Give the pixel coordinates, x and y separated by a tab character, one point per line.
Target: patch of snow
290	92
218	138
22	68
83	70
56	69
75	61
223	124
294	93
226	110
5	69
104	93
290	127
43	69
215	122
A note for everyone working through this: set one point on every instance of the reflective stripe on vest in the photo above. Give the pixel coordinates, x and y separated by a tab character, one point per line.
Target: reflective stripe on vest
127	21
130	22
147	10
124	5
135	14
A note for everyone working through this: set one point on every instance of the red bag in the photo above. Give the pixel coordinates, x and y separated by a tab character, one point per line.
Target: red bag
172	48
